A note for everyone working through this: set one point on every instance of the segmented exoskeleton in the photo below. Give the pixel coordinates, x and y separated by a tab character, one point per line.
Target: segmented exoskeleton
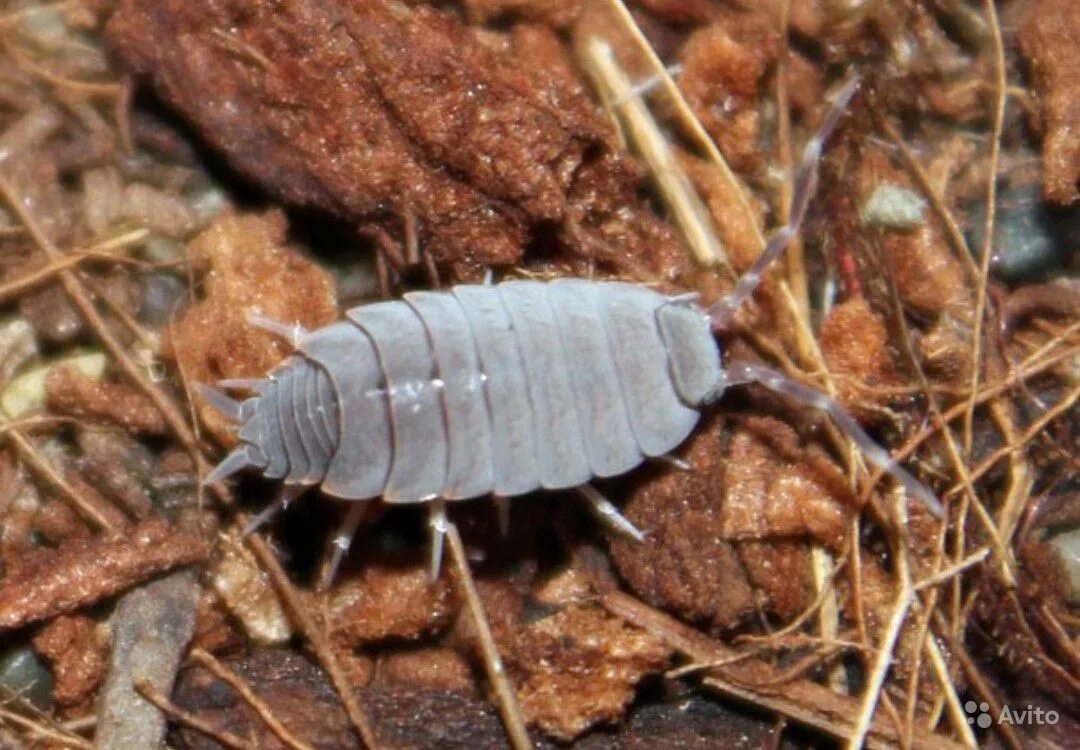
505	389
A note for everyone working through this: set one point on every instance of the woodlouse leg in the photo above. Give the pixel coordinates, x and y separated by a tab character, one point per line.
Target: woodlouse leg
673	461
609	514
744	372
805	186
289	492
502	512
439	525
390	259
382	273
343	541
292	333
432	269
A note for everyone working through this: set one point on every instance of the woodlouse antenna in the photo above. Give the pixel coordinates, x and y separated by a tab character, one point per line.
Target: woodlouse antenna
805	186
342	541
242	384
294	333
739	373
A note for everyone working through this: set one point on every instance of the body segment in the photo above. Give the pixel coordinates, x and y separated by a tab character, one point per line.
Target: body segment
499	389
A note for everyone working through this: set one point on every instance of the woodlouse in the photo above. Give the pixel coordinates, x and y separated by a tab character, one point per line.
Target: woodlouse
504	389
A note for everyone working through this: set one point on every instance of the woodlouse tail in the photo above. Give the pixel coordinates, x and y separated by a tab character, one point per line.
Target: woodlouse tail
229	408
240	459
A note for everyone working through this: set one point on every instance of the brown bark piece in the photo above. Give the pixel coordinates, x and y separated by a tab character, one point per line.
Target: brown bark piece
580	667
728	536
776	488
409	717
77	657
298	693
855	343
387	601
1048	42
721	82
87	570
685	564
430	668
400	119
70	392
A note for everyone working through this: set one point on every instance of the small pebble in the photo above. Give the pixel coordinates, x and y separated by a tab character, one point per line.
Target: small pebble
1032	240
1067	545
893	207
23	674
26	393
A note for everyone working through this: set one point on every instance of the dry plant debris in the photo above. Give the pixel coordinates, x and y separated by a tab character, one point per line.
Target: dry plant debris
247	594
150	630
721	79
71	392
387	601
1048	43
459	136
579	668
461	154
75	650
249	267
86	570
297	692
723	537
855	344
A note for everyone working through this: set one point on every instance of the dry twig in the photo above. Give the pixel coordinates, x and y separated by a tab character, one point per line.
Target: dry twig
504	690
188	719
263	711
316	637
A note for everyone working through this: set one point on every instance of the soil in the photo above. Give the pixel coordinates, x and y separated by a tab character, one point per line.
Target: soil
170	167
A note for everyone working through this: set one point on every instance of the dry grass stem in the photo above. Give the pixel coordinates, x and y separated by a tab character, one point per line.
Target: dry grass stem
47	273
190	720
986	251
686	116
1034	430
890	633
41	466
794	256
802	701
47	733
953	570
81	299
505	695
678	195
316	636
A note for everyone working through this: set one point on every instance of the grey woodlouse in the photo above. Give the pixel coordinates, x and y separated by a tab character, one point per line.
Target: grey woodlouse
508	388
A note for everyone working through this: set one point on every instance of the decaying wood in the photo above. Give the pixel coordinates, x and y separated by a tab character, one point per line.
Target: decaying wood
87	570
